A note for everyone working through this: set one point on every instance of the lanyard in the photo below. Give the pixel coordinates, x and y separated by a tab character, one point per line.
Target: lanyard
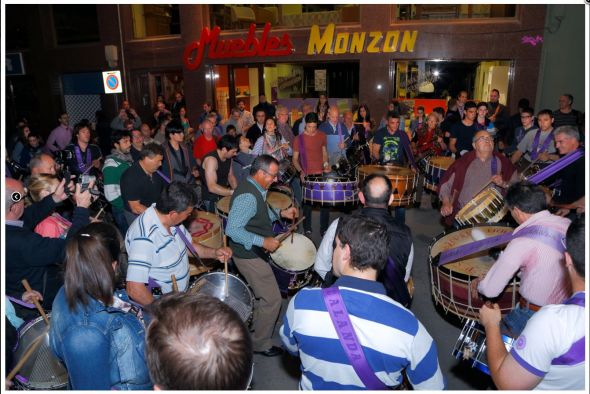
534	152
81	165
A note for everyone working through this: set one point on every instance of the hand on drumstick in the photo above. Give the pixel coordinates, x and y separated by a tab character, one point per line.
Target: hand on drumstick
223	254
271	244
490	315
497	179
29	296
474	291
290	213
446	209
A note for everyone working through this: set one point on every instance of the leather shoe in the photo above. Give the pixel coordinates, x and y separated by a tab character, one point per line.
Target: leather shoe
272	352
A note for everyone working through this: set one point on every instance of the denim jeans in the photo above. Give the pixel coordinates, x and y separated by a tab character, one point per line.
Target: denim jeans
120	221
516	320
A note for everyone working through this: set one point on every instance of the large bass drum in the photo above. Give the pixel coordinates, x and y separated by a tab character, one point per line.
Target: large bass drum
486	207
42	371
330	190
452	283
240	297
403	181
292	263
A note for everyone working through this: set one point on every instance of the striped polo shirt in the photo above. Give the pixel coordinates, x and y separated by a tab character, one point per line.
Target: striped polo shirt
154	252
391	337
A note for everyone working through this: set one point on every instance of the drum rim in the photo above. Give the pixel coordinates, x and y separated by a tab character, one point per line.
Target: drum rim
433	261
335	179
236	276
301	236
219	211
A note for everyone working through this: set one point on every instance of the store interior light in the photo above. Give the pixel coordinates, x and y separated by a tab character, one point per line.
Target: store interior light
437	60
436	73
379	87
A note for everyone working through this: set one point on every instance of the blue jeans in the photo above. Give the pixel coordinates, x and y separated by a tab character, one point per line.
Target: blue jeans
121	221
516	320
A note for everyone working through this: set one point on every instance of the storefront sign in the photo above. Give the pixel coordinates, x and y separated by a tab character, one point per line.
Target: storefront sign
265	46
329	43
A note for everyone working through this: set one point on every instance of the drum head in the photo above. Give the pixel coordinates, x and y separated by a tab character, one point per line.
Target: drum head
205	228
474	265
296	256
486	207
443	162
279	199
239	298
223	205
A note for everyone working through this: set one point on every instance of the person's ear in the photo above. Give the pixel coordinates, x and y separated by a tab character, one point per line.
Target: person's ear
390	199
361	198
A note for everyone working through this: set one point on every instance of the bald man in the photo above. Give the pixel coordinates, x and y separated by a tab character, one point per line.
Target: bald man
43	164
336	133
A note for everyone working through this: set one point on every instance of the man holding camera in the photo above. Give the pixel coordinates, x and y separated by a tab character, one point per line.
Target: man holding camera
125	113
82	157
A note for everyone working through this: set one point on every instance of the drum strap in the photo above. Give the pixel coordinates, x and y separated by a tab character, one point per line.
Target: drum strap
540	233
556	166
534	151
406	145
348	339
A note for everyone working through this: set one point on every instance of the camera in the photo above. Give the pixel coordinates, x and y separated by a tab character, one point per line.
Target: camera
84	181
61	156
129	114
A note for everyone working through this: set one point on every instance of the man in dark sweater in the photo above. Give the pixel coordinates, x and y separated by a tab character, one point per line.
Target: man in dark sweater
29	255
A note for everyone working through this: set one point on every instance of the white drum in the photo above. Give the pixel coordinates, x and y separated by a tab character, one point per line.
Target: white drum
292	263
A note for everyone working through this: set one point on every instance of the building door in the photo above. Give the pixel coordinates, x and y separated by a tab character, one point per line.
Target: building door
232	83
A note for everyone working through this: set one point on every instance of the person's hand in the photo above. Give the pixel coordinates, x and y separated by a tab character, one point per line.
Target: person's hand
285	146
223	254
301	176
290	213
474	283
490	315
446	209
60	193
563	212
543	156
83	199
497	179
342	145
271	244
30	296
195	173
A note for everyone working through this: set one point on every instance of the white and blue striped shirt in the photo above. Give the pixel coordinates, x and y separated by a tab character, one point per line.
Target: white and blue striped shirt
154	252
392	339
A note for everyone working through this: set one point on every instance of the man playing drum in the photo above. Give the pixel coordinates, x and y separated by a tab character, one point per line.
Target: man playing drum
468	175
156	248
549	354
538	256
376	197
388	335
249	227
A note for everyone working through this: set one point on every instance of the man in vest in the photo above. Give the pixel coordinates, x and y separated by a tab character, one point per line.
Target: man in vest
537	253
217	176
249	227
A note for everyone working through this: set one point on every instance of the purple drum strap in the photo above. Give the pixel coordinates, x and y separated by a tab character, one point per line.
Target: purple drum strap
20	302
534	152
406	145
547	236
494	165
81	164
152	284
302	153
348	339
577	299
164	177
556	166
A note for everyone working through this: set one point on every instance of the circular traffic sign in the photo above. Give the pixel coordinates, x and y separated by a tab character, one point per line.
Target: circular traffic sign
112	82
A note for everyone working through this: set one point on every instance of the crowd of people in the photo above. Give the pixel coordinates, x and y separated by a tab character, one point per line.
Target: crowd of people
116	281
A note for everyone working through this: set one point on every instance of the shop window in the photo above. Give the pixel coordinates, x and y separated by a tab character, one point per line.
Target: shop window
75	23
286	15
152	20
454	11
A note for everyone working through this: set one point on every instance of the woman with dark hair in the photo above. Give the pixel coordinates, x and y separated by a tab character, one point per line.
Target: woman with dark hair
322	108
271	142
95	332
21	142
364	116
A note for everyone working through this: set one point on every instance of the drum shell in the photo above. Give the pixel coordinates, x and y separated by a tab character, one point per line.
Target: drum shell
436	167
287	171
452	289
403	180
486	207
330	190
34	373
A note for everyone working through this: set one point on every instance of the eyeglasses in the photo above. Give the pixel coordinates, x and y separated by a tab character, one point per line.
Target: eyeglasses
525	116
485	139
269	174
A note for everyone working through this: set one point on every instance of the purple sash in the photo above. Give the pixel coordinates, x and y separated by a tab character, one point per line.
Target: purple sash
494	165
339	129
534	152
302	153
576	353
556	166
540	233
348	339
81	165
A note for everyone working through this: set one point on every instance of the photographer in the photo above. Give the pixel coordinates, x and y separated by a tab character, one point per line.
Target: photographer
125	113
81	155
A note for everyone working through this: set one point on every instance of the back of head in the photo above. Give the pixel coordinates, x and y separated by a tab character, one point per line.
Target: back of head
88	265
527	197
151	150
176	196
575	242
39	183
196	342
376	190
368	241
228	142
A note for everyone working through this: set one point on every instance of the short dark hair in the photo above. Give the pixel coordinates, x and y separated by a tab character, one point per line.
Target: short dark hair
118	135
469	104
528	110
184	325
527	197
34	134
420	108
524	103
79	126
228	142
150	150
230	127
368	241
482	104
88	270
372	199
575	241
439	110
392	114
176	196
570	97
545	111
312	117
262	163
173	127
495	90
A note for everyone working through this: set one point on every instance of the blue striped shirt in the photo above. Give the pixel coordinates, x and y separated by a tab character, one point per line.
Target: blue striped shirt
155	252
242	210
390	335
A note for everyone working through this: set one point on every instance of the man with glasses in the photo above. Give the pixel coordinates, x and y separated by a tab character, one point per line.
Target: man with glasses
538	146
249	227
468	175
527	120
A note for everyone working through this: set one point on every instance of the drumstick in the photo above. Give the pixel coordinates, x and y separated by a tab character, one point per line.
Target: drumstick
98	214
174	284
282	237
30	350
35	301
226	292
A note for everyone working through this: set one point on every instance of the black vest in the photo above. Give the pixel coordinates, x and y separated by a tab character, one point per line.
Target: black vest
222	176
259	224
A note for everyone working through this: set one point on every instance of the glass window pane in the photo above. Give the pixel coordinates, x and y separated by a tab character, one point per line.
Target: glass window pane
75	23
454	11
151	20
